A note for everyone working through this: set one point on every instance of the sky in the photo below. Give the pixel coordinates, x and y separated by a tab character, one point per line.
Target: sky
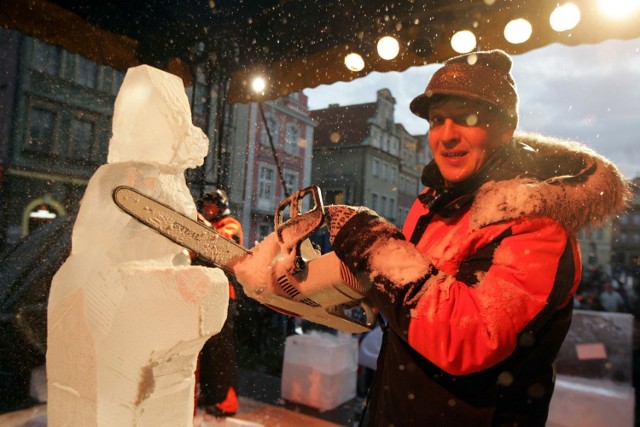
586	93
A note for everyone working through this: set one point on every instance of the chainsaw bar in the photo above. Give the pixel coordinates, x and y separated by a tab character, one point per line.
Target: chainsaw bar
193	235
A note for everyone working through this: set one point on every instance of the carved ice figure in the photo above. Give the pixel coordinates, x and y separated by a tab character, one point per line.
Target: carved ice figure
127	312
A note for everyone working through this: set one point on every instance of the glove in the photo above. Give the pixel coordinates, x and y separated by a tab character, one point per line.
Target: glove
338	215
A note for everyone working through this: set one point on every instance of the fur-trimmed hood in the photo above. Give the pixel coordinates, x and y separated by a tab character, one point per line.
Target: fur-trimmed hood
548	177
535	176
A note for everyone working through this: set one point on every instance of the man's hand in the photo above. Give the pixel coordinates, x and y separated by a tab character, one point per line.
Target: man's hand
338	215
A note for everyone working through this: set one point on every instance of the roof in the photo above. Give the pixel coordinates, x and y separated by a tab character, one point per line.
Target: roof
340	126
295	44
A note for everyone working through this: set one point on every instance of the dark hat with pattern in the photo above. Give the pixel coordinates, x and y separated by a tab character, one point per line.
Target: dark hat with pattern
484	76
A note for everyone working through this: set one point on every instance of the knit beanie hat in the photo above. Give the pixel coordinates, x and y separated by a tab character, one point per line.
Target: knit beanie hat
485	76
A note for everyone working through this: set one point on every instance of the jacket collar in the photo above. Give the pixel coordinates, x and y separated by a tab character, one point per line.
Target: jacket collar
534	176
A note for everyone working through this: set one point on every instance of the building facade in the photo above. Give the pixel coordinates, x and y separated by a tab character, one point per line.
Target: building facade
271	158
362	157
55	124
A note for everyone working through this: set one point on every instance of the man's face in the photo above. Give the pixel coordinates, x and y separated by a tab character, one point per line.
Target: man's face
462	135
209	210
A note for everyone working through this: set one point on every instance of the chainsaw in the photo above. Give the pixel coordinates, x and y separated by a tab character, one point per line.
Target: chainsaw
300	282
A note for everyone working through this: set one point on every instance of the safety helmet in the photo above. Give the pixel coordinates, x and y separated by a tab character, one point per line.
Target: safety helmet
220	198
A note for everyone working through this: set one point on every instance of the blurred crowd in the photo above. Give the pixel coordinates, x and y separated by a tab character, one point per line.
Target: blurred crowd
609	288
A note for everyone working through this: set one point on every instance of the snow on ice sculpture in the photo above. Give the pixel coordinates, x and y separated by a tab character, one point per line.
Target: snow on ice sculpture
127	312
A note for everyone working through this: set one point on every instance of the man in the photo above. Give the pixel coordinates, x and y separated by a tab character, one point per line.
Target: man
610	298
218	372
477	289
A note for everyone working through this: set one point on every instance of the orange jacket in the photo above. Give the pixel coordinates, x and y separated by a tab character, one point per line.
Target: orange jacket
230	228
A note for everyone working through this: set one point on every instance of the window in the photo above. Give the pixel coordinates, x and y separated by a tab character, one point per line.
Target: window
291	144
375	167
392	174
200	98
392	207
273	129
86	72
385	171
291	181
118	78
266	182
264	229
81	139
46	58
383	208
41	131
374	201
335	197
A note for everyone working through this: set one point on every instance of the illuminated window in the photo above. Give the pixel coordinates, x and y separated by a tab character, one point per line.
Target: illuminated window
335	197
40	216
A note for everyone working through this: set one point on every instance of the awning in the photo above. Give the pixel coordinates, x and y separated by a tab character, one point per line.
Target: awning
294	44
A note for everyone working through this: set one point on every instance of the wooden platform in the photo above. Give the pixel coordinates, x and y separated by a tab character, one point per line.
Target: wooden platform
252	414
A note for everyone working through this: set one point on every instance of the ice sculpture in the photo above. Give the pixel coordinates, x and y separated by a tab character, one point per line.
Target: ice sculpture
127	312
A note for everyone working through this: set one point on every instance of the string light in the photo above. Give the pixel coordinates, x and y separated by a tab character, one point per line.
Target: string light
354	62
388	47
518	31
463	41
258	84
564	17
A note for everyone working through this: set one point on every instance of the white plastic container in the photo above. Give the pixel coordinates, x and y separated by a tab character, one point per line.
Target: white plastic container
320	370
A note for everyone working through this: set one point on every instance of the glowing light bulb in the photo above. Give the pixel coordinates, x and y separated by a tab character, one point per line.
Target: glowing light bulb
518	31
565	17
463	41
618	9
388	47
258	84
354	62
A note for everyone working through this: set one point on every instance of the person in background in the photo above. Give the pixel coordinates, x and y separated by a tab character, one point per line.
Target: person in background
217	373
610	298
477	290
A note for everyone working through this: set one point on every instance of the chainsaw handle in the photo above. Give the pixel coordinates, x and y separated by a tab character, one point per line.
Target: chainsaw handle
299	224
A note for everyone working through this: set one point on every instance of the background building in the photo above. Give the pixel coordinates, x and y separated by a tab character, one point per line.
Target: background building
362	157
626	235
55	125
266	166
